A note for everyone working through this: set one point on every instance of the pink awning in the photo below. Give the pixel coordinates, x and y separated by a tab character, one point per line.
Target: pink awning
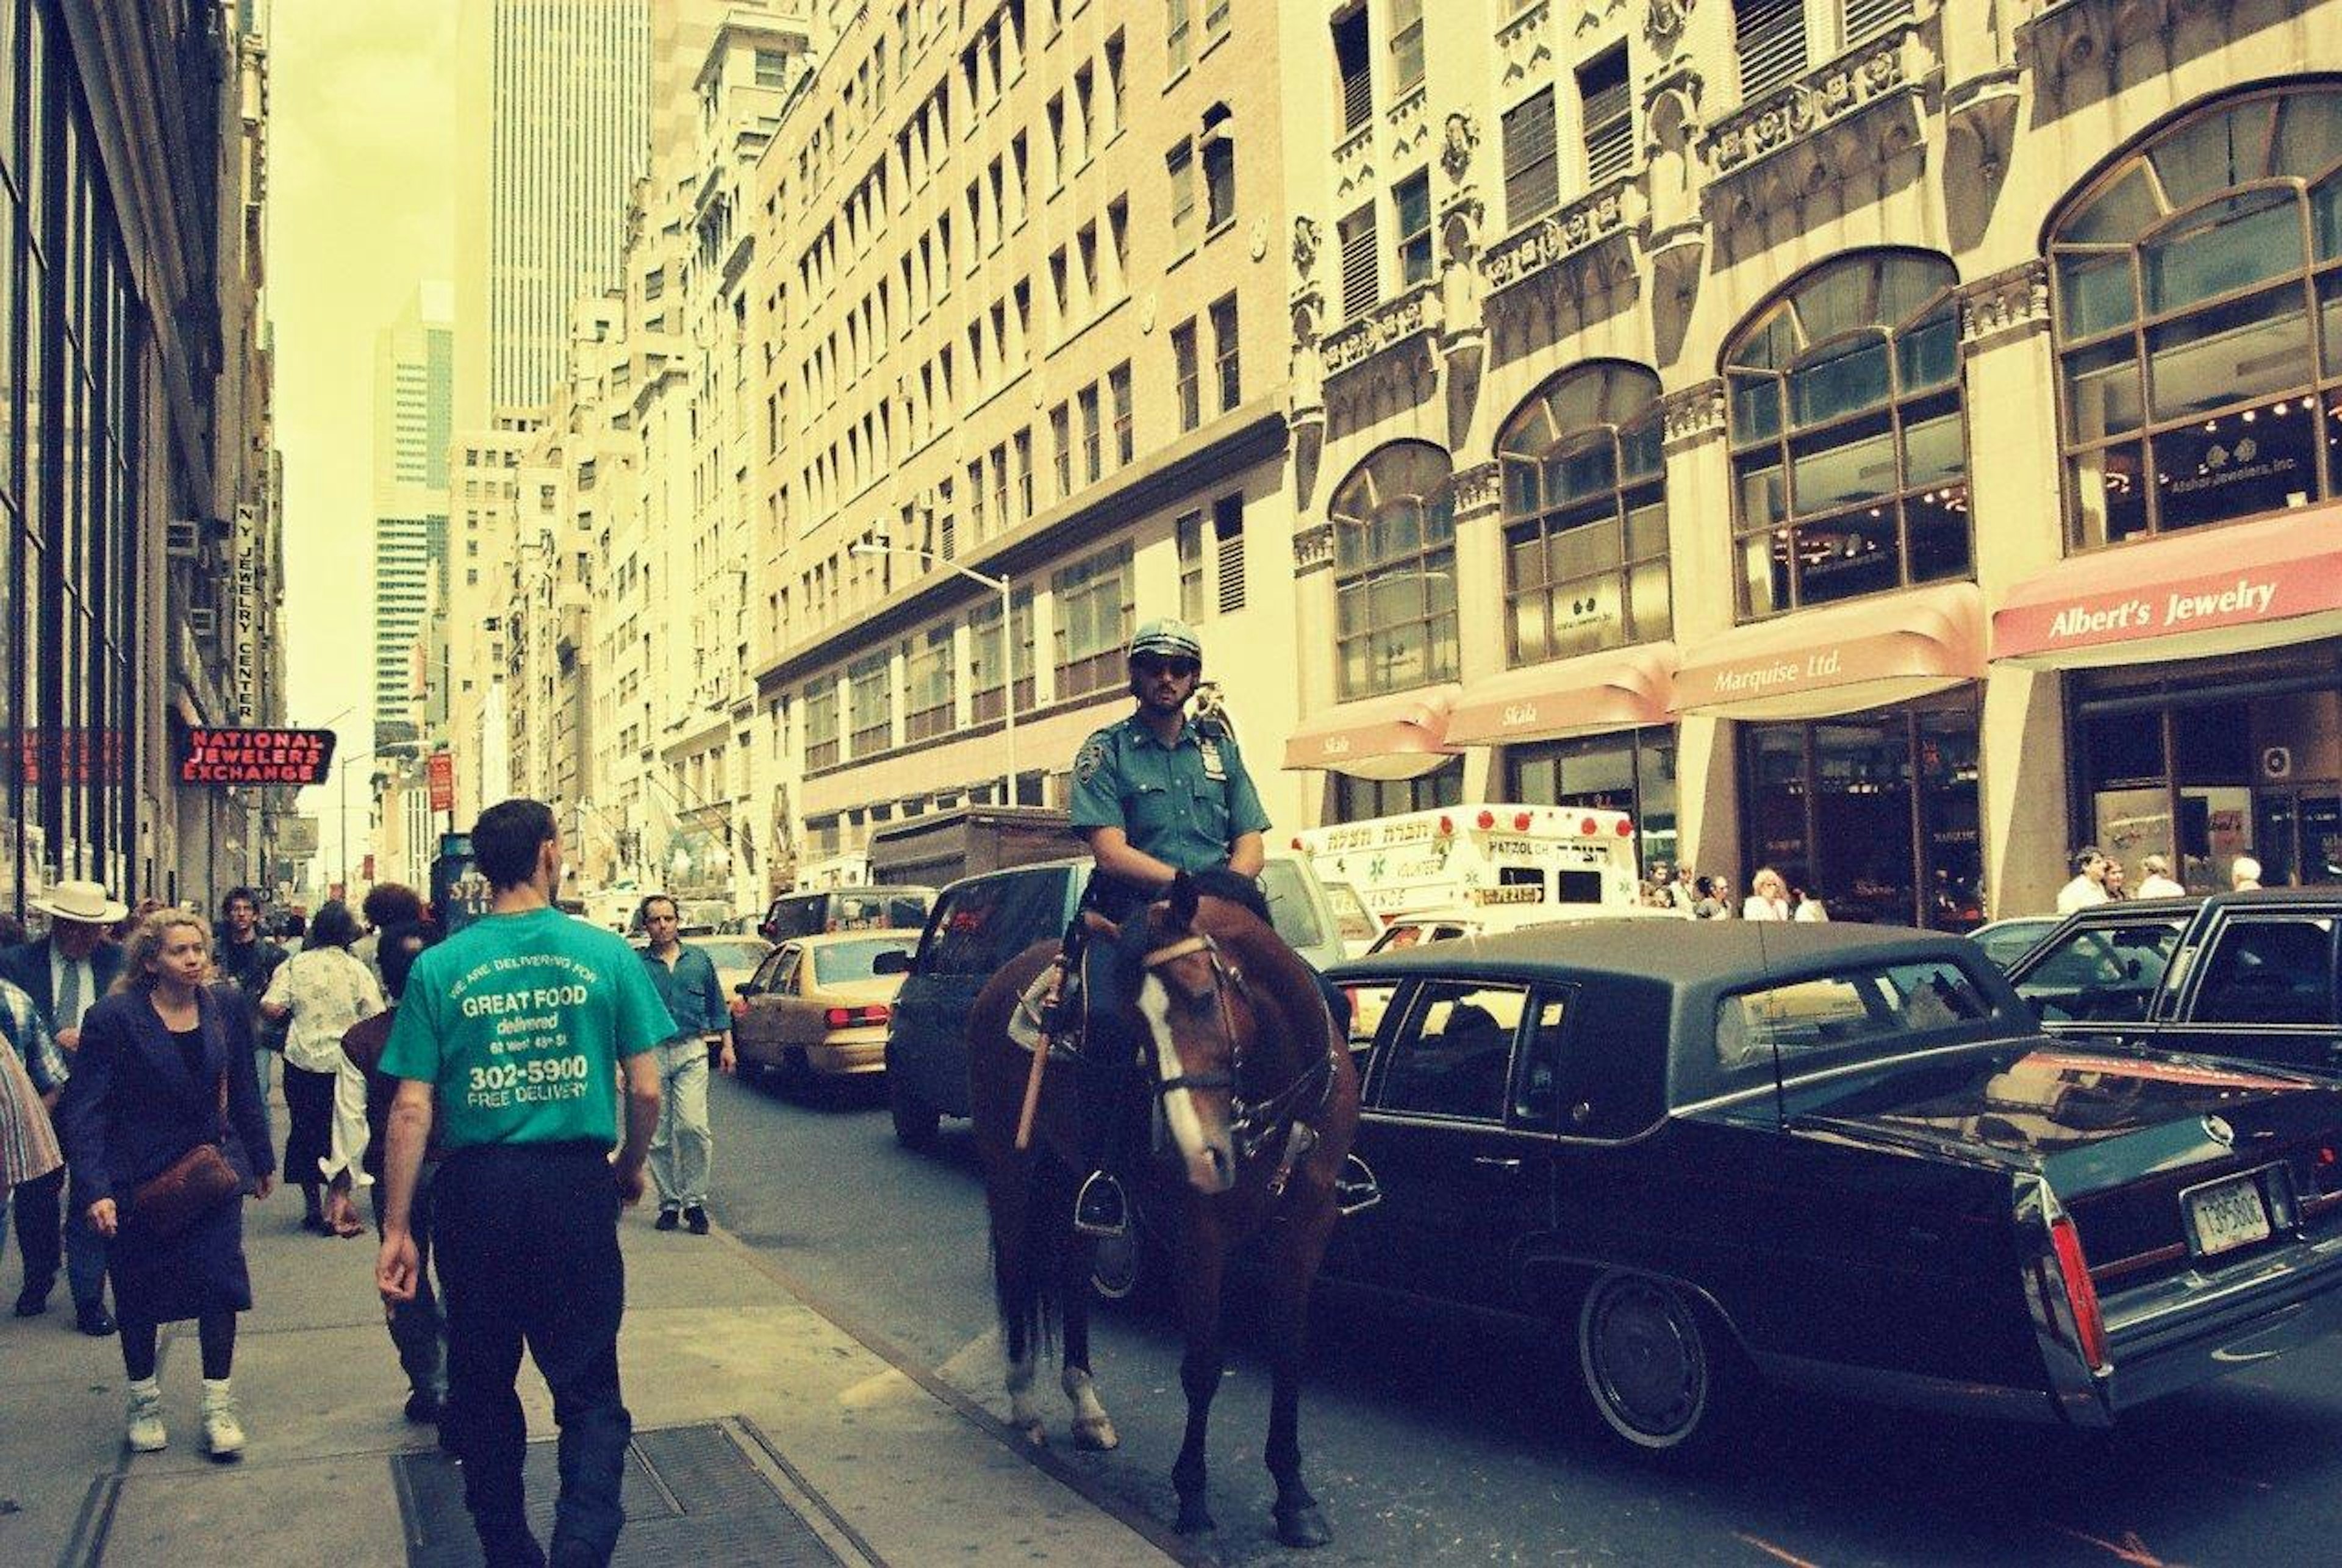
1403	735
2225	590
1617	689
1841	660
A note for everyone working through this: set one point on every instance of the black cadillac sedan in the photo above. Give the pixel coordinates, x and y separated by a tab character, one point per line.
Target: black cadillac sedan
1719	1155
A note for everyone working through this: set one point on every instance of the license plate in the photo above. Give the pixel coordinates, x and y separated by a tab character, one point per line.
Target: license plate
2226	1215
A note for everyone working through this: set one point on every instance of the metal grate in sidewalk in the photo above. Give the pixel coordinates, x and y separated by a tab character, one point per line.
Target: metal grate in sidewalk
691	1494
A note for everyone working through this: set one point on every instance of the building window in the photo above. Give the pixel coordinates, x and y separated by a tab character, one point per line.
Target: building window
1395	572
1532	167
1361	286
1363	800
2197	307
1850	463
820	709
1585	515
1354	67
1093	601
772	68
1606	109
1411	199
1769	38
1225	348
985	662
928	683
1405	45
1216	18
1061	440
1175	34
1180	162
1220	154
1189	533
1126	435
1186	375
1633	770
1093	466
1228	552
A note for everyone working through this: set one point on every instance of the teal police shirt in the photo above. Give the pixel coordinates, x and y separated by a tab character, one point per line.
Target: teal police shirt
520	1021
1184	804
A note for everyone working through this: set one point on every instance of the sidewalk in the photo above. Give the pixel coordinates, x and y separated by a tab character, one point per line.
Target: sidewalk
764	1434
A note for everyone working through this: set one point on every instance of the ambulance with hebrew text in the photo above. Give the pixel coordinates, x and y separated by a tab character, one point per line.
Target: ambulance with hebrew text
1519	860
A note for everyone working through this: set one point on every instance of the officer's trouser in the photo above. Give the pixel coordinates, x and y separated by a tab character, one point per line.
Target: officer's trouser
528	1254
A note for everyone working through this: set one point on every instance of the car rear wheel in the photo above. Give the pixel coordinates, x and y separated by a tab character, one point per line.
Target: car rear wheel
1655	1364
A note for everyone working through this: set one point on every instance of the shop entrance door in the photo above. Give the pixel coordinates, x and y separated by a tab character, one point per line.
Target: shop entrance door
2298	834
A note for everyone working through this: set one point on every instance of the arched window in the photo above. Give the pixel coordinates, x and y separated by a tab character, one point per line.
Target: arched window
1585	515
2199	311
1849	464
1394	571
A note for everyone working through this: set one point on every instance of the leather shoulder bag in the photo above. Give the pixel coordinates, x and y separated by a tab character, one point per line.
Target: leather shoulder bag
188	1188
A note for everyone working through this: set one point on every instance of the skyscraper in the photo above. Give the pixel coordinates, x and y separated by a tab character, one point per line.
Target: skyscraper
414	405
553	108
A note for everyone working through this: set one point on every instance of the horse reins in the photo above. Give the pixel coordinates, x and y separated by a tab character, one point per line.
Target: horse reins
1250	1125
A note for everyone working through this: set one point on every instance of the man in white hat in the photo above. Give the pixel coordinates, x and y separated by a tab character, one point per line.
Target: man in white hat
64	973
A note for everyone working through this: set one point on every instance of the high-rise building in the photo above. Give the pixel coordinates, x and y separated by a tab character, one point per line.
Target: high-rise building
414	372
553	109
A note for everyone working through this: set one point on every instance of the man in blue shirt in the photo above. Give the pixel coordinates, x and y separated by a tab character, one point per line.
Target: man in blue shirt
685	978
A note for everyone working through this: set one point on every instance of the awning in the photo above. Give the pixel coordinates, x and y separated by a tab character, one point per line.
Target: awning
1403	735
2226	590
1842	659
1617	689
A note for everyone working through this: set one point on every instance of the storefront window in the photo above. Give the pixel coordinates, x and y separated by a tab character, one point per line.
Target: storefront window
2198	312
1360	799
1395	572
1876	814
1585	515
1633	772
1849	464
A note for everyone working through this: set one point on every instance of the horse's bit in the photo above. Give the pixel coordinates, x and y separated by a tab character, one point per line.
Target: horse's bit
1251	1124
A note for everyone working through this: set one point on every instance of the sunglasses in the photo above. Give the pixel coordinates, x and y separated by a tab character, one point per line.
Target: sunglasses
1153	666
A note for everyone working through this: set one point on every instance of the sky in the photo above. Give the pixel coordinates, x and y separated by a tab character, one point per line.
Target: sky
361	165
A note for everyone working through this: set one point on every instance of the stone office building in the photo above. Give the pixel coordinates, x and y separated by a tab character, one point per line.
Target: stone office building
1891	441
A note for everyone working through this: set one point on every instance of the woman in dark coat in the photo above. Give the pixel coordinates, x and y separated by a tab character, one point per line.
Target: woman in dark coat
147	1087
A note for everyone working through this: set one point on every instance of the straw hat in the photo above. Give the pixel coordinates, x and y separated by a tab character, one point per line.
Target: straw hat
85	901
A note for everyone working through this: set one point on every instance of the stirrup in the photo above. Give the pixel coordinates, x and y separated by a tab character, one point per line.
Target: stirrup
1101	1209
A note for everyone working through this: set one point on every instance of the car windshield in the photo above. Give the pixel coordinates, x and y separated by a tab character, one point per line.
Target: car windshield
1289	907
1355	922
2102	975
841	962
2010	940
1829	1014
734	955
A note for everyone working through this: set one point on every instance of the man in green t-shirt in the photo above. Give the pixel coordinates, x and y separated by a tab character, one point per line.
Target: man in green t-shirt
519	1026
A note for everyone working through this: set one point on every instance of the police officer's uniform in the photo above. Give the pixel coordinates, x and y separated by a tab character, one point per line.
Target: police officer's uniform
1184	804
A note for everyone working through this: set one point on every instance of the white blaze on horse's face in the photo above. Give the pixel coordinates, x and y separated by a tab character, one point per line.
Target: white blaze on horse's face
1208	1151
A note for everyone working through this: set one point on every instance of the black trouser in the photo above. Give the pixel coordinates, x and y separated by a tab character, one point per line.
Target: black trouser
417	1327
528	1254
49	1232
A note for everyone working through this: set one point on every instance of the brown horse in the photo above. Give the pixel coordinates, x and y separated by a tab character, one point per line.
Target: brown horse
1261	1100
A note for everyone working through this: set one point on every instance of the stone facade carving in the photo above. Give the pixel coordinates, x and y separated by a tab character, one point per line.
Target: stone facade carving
1477	489
1842	90
1663	24
2015	301
1463	139
1313	548
1693	414
1575	229
1408	315
1307	237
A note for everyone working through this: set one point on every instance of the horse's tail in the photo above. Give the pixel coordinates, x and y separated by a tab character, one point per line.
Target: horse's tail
1026	1290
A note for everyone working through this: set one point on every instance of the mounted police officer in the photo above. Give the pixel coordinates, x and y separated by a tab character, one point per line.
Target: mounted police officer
1156	795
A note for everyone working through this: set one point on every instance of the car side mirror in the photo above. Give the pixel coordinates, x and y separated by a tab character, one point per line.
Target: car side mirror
746	988
894	960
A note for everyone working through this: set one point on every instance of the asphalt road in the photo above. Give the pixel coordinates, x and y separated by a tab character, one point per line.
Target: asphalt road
1434	1443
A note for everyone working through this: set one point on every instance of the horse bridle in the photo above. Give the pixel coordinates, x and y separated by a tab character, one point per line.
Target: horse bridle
1251	1124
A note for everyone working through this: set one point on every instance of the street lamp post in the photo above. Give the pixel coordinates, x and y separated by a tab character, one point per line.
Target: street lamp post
344	762
879	545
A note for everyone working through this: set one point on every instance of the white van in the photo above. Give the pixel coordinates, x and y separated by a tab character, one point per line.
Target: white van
1481	856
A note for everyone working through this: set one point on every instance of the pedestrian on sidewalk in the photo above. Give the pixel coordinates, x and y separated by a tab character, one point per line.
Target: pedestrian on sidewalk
521	1023
2157	883
417	1328
65	974
685	978
2089	883
387	905
29	1060
322	990
251	961
165	1064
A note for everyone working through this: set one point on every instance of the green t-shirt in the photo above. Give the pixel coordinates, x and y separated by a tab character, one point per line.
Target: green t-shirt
519	1020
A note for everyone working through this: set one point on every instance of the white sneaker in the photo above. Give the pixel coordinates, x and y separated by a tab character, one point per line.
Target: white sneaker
143	1426
223	1434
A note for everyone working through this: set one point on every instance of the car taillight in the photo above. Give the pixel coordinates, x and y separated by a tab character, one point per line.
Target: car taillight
2081	1294
847	1017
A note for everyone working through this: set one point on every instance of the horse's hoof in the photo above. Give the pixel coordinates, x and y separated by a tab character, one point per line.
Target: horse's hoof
1302	1527
1194	1519
1096	1434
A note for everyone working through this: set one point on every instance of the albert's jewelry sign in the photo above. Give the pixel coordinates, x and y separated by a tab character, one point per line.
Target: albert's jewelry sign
240	757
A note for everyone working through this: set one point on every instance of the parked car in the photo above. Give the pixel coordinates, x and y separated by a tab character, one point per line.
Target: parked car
2006	941
1726	1154
818	1007
1419	926
845	909
737	959
2249	974
980	923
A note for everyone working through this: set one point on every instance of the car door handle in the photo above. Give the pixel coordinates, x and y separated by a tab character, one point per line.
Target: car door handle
1495	1162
